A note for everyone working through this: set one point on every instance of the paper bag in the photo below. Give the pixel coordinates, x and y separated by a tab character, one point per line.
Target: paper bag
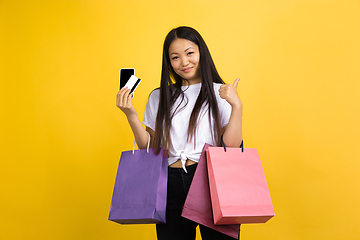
140	190
239	192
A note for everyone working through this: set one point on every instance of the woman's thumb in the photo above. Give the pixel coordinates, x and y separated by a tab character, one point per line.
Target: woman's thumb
235	84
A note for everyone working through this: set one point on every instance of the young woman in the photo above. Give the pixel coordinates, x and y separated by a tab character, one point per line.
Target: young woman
192	107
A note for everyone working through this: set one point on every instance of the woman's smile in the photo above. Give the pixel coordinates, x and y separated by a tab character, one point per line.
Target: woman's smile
187	69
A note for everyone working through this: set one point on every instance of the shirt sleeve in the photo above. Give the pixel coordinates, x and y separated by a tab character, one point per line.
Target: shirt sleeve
225	112
151	109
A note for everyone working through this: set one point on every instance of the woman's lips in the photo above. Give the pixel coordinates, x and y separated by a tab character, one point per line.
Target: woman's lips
187	69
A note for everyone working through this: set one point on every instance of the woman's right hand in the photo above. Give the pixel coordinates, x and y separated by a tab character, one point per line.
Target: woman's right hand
123	101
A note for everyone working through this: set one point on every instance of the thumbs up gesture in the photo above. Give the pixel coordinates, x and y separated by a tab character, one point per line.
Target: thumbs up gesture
230	94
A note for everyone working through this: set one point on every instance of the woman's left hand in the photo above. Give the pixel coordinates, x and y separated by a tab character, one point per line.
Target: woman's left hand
230	94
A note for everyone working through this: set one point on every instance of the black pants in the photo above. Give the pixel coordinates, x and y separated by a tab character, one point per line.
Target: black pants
177	227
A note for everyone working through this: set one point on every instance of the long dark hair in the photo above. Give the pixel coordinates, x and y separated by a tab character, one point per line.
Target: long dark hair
170	90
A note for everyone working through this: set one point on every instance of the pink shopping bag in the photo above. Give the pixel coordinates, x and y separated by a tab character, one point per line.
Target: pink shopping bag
197	206
239	192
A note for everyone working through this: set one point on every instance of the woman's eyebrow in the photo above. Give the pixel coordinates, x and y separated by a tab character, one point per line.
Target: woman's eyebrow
184	51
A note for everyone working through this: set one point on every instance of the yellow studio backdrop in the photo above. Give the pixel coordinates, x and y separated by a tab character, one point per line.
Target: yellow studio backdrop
62	135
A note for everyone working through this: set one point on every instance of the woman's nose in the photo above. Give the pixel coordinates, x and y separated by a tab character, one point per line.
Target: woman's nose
184	62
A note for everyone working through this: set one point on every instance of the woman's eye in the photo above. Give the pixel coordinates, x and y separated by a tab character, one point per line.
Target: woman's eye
174	58
189	53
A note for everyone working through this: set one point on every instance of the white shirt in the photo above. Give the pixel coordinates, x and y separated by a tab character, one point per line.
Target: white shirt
179	147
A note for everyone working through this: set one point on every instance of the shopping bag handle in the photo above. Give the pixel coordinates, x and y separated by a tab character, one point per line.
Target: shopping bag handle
148	144
223	144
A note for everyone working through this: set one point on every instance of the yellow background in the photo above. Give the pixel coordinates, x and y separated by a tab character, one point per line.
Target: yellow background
62	135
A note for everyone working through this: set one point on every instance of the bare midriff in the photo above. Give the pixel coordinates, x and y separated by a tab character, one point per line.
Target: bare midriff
177	164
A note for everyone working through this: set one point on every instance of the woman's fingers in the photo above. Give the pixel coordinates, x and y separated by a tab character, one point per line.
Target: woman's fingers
230	94
225	90
123	101
127	100
123	98
118	99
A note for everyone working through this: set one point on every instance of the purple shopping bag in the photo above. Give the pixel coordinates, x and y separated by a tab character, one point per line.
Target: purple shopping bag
198	206
140	190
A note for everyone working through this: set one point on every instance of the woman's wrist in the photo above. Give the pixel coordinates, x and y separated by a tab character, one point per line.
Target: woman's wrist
237	107
131	115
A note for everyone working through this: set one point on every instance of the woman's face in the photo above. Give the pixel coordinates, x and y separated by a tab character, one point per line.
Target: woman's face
185	60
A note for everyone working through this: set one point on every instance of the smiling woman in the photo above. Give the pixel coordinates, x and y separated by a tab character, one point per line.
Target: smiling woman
192	99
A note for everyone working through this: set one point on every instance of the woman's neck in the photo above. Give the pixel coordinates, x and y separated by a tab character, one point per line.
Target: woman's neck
191	82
